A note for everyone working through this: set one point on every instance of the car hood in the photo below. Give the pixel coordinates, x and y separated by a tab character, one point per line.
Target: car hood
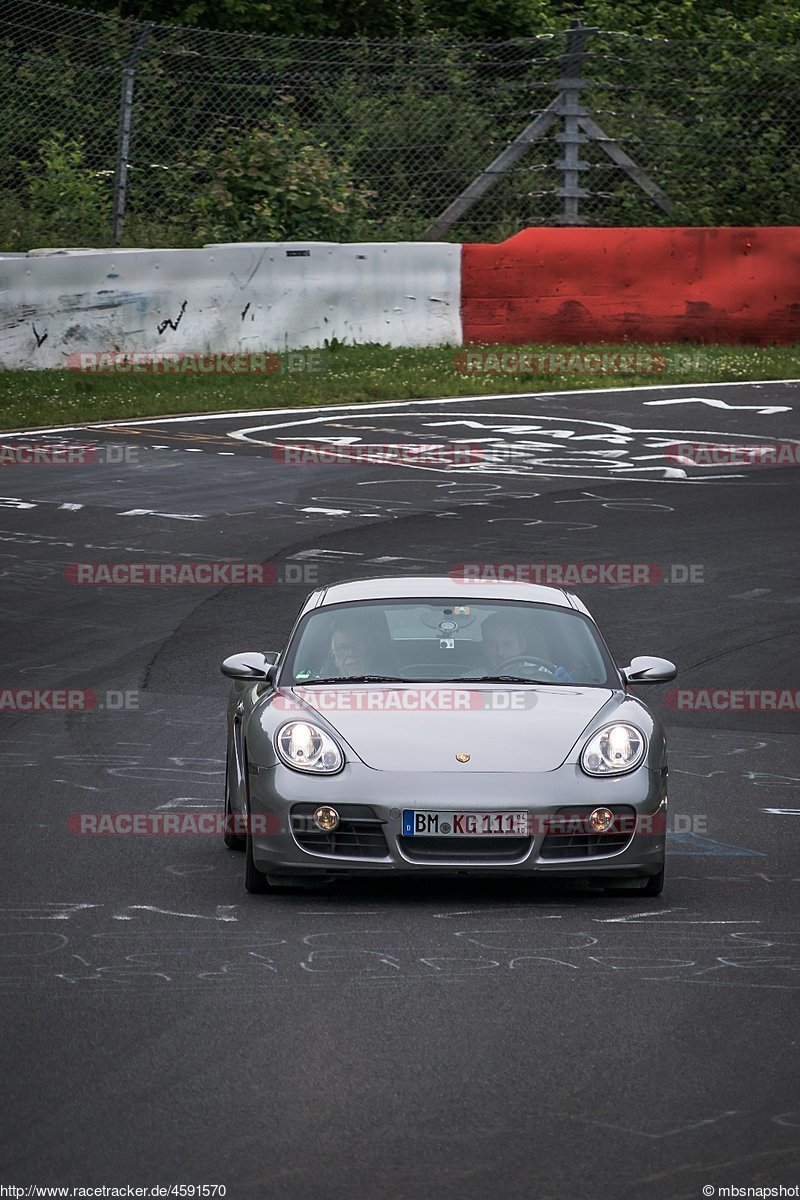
424	727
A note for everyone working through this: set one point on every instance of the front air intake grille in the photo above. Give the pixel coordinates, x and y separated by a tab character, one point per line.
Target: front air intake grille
359	833
569	835
473	849
583	845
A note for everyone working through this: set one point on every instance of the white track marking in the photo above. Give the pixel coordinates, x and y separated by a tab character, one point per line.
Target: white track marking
765	410
382	404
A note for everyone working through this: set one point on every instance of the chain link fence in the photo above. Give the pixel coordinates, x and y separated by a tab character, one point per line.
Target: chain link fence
120	131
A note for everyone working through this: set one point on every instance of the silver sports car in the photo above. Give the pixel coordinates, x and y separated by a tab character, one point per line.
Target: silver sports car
425	725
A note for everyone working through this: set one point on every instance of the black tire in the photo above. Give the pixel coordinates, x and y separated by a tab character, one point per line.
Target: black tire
233	841
287	883
654	885
255	881
650	885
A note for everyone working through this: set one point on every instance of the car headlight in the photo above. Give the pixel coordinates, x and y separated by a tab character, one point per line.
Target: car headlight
306	747
614	749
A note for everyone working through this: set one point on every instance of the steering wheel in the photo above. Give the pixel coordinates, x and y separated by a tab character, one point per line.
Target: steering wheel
542	665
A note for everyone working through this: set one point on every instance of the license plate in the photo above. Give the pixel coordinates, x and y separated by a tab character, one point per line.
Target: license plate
431	823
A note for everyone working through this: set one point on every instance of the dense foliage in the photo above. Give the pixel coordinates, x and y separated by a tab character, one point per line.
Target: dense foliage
275	127
773	20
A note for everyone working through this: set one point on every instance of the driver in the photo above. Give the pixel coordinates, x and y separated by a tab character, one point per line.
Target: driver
352	651
503	640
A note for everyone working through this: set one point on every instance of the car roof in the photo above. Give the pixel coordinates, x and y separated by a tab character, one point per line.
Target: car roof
392	587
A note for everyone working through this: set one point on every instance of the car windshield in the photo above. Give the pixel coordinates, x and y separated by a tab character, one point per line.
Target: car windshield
444	641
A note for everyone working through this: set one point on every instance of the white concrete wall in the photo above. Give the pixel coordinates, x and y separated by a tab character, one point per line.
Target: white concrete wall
227	298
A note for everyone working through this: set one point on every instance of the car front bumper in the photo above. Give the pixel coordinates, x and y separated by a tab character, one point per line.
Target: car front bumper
278	795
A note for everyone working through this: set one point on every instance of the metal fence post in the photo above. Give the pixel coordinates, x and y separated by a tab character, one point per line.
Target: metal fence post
570	85
124	138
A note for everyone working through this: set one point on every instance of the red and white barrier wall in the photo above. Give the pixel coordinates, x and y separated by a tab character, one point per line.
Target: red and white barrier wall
639	285
541	286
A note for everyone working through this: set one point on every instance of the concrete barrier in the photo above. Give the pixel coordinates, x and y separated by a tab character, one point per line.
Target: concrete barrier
227	298
543	285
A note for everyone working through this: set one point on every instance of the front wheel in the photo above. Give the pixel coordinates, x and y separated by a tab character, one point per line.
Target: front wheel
233	841
654	885
651	885
255	881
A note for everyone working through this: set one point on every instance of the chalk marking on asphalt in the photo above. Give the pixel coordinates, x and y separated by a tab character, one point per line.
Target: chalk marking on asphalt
663	1133
151	512
329	512
575	468
763	410
224	913
634	916
469	912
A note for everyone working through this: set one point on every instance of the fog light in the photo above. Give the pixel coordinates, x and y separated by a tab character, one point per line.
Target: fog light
326	818
600	820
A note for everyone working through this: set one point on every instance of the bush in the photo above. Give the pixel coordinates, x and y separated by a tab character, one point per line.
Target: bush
62	199
271	182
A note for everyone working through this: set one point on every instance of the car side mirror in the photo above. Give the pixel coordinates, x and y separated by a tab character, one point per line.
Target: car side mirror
646	669
251	666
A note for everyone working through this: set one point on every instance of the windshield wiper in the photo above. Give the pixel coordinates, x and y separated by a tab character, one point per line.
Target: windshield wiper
511	679
351	679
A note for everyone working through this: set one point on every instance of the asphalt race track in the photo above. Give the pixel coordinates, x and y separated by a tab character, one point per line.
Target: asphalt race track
455	1039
